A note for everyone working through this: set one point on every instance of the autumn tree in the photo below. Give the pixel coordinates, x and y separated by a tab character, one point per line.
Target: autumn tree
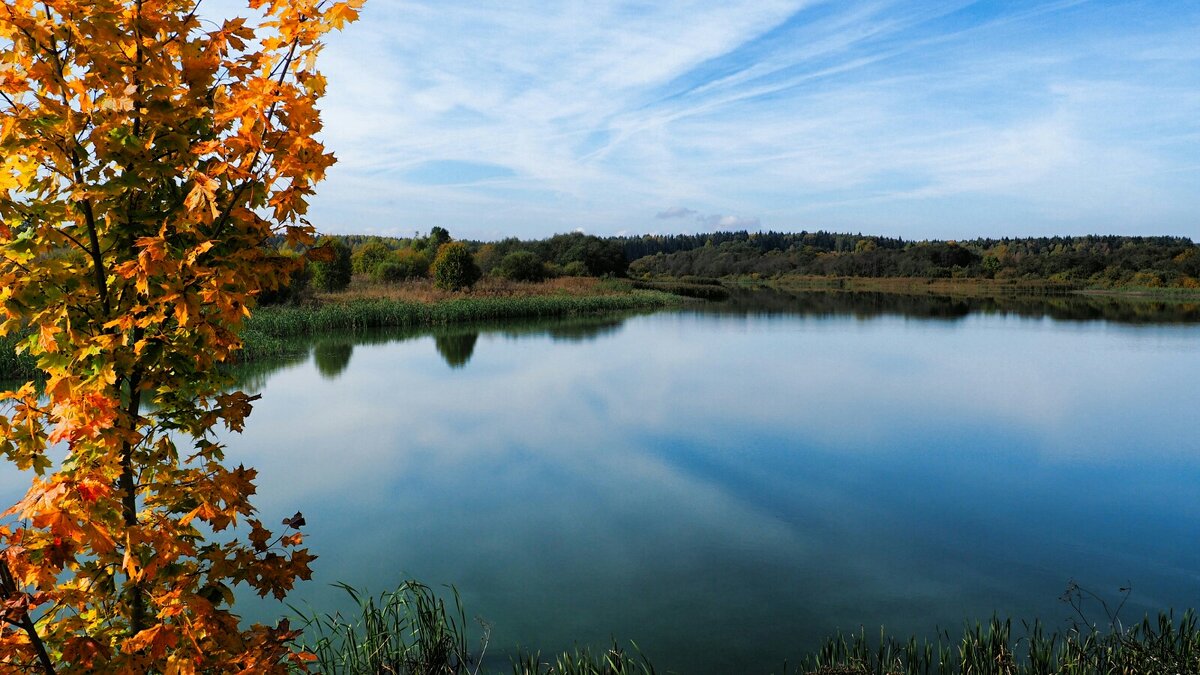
148	159
454	268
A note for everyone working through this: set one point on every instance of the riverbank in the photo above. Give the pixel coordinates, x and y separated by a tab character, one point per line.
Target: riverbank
414	629
976	288
419	305
415	304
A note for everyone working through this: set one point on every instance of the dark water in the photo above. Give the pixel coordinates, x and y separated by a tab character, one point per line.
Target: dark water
729	484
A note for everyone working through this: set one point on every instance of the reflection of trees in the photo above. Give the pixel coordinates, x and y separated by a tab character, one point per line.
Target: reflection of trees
866	304
332	358
456	348
252	375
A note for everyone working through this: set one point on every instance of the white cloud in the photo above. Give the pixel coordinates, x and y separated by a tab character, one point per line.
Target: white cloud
861	115
675	212
721	222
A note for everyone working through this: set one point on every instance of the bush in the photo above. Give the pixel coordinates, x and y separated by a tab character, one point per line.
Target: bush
403	264
575	268
332	275
369	256
454	268
521	266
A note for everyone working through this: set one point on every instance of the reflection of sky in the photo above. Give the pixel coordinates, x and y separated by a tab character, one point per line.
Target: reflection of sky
690	480
777	477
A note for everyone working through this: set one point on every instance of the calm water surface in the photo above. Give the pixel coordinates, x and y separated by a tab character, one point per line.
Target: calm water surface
727	485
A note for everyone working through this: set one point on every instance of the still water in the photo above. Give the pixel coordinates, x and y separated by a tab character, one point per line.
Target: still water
727	484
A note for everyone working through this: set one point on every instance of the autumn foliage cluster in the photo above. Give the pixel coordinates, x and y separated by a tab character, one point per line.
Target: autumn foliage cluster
149	156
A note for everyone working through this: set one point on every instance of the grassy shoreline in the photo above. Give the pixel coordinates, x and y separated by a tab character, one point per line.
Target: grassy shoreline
266	331
966	287
417	630
367	306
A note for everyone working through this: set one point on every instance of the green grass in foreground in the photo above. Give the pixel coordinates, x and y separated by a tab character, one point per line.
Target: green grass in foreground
412	630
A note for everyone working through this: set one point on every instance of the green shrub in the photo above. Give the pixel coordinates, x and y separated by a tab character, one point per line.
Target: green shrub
521	266
369	256
454	268
575	268
403	264
332	275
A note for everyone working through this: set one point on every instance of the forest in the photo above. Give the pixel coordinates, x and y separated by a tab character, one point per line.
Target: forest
1106	261
1096	260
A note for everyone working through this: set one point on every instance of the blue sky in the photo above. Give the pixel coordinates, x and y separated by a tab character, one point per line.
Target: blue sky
913	119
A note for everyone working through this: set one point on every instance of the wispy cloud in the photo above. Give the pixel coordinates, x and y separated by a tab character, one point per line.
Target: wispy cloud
675	212
724	222
951	119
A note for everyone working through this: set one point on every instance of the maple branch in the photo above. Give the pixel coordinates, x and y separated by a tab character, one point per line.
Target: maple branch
137	610
8	588
85	205
220	223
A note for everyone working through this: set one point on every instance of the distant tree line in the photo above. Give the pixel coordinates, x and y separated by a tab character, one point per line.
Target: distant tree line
453	265
1105	260
1100	260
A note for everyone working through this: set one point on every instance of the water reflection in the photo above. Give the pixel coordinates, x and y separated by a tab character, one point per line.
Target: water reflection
456	348
778	467
332	357
456	345
862	304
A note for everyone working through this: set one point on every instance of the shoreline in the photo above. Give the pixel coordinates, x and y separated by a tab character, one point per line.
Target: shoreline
968	287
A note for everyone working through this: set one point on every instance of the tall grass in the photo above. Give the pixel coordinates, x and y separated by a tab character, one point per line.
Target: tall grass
359	315
411	630
1158	646
408	630
14	366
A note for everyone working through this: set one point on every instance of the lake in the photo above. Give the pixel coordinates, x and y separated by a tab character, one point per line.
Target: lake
728	484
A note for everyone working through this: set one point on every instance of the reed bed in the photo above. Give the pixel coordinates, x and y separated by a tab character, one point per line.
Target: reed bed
14	366
423	290
1158	646
361	315
412	630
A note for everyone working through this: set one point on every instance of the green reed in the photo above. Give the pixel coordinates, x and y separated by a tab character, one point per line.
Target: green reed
412	630
14	366
367	314
1158	646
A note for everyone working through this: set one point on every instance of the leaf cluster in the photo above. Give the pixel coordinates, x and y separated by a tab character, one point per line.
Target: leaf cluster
151	163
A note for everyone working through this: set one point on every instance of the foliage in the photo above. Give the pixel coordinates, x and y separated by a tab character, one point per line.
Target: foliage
1094	260
369	256
487	257
332	271
454	268
600	257
575	254
403	264
297	289
575	268
521	266
142	150
437	237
